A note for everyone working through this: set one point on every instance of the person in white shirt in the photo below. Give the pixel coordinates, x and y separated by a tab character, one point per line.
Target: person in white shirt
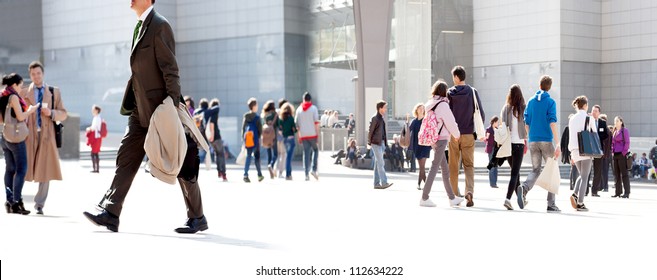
577	123
513	117
325	117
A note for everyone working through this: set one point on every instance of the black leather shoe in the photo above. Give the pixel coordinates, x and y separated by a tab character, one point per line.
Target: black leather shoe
595	195
105	219
8	207
194	225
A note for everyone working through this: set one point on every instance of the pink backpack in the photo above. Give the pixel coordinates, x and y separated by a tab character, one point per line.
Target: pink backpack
429	132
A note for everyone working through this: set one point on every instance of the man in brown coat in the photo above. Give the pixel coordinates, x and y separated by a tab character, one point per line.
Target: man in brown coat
154	77
42	153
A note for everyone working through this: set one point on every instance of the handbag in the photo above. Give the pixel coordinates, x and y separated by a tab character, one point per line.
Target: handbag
241	158
504	141
58	125
405	136
588	142
550	178
14	131
480	130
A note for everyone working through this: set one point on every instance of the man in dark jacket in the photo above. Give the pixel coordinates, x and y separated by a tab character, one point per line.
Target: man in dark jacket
598	171
377	139
461	101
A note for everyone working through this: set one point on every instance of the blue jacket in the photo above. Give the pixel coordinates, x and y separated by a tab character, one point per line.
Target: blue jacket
541	111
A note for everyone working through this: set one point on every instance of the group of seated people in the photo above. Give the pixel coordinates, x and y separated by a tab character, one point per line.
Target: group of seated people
396	156
640	167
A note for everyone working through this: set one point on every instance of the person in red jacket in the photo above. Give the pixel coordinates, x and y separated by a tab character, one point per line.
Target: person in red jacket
94	138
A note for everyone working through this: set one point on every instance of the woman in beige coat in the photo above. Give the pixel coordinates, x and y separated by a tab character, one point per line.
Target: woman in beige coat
42	153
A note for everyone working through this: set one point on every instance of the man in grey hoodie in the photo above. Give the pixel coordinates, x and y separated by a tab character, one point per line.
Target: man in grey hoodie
463	107
307	120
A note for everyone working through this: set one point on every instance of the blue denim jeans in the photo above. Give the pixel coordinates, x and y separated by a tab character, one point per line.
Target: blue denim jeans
492	173
272	155
310	145
289	148
379	165
252	152
15	169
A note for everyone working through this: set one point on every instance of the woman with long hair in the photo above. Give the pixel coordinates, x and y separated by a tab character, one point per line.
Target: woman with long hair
421	153
620	145
513	117
15	153
269	116
578	123
439	104
288	127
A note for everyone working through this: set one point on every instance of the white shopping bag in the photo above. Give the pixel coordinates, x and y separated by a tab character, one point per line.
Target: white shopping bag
241	158
550	178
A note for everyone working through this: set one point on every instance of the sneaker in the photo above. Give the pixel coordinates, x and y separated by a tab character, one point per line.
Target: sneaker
383	187
307	178
39	210
468	197
288	178
507	204
520	193
456	202
553	209
247	180
573	201
494	187
581	208
260	178
314	173
427	203
223	176
271	172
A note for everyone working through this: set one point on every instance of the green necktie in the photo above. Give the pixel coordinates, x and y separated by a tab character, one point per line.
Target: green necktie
136	33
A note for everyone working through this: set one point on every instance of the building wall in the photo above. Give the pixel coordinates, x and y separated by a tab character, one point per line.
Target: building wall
629	72
515	42
22	36
413	48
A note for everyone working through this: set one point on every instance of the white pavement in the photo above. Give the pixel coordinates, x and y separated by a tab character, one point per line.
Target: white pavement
338	222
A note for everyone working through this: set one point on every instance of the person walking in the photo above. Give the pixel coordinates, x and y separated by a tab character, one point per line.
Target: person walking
15	153
541	126
307	120
513	117
280	142
42	154
421	153
154	80
251	132
213	135
377	138
447	129
287	128
462	102
271	119
578	123
620	147
490	148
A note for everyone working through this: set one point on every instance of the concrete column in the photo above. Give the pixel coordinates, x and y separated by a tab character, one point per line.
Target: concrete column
373	19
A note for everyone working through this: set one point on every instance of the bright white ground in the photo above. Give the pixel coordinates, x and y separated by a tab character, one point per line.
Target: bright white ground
339	222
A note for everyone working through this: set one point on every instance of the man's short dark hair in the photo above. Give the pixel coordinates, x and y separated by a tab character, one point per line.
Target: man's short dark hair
97	108
597	107
307	97
252	102
35	64
380	104
546	83
459	72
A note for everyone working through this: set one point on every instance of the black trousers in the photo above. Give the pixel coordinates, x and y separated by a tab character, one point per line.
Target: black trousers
621	175
129	158
517	153
599	174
